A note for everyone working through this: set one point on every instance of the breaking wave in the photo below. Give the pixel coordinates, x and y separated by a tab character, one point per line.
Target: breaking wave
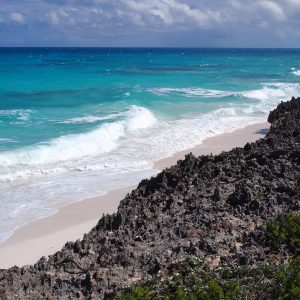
75	146
297	73
269	91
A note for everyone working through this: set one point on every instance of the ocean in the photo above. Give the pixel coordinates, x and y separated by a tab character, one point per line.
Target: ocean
79	122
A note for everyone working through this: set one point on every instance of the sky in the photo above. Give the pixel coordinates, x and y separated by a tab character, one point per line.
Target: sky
150	23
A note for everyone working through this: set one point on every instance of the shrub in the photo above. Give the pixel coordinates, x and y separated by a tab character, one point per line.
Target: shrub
288	281
284	231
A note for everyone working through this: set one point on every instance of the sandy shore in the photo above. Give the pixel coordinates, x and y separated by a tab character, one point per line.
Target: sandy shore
44	237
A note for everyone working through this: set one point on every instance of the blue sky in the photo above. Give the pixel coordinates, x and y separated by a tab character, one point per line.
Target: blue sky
143	23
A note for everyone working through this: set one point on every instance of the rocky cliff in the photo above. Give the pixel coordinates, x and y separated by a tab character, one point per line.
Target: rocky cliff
211	207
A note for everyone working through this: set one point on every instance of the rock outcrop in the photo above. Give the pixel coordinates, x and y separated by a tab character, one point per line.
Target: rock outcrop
213	207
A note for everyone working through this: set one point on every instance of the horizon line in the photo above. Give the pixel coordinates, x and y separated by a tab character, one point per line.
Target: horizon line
146	47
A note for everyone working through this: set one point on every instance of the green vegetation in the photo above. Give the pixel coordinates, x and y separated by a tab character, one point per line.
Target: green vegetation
195	280
264	282
284	232
287	285
138	292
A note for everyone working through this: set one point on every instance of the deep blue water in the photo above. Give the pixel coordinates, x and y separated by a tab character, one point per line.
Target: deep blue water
77	122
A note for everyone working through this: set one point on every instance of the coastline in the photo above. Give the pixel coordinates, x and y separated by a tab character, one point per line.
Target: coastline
45	236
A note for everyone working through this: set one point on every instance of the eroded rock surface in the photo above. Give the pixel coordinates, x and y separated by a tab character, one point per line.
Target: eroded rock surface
214	207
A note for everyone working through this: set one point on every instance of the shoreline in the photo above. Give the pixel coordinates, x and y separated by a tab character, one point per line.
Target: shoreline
45	236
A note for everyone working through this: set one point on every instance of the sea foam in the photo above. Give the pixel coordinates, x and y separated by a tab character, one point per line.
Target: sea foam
75	135
57	154
123	131
119	150
16	114
297	73
191	92
268	91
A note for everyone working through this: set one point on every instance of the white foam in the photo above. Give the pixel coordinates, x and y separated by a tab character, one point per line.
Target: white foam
90	119
69	181
178	135
42	197
264	94
192	92
118	152
186	133
273	92
6	140
269	91
297	73
36	160
140	118
44	158
62	153
20	114
68	147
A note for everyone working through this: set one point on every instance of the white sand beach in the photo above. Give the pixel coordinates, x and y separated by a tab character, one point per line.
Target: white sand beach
45	236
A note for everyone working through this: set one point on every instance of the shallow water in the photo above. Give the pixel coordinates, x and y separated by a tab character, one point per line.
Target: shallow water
76	123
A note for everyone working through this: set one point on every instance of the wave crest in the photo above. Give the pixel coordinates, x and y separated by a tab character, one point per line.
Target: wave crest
269	91
76	146
297	73
191	92
273	91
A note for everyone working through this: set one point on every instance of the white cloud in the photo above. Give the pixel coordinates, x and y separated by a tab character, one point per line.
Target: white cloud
53	18
16	17
216	20
293	3
150	10
274	9
292	8
61	16
235	3
171	13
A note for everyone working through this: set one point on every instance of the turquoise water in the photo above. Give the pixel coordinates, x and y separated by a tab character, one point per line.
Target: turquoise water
76	123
